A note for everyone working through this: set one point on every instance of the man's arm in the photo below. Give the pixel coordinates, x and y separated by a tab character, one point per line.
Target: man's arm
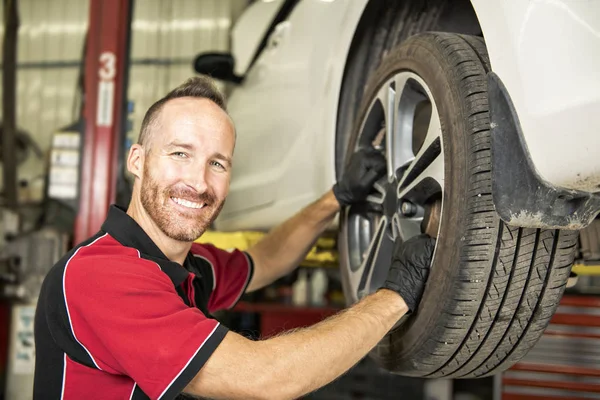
296	363
299	362
282	249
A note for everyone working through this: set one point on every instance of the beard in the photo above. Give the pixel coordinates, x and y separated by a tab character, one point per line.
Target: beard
171	221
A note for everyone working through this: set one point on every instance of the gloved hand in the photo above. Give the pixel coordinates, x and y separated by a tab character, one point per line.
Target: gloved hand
410	268
366	166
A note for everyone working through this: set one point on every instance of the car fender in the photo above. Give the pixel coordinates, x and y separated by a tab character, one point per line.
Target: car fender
547	54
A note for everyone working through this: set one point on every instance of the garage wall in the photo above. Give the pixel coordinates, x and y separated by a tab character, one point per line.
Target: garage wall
49	52
166	35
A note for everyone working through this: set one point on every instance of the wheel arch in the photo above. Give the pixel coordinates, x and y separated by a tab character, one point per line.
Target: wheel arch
457	16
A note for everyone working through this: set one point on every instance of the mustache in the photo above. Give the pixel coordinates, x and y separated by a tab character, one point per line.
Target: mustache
205	197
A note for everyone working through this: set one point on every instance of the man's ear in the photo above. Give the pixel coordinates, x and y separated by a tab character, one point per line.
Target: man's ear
135	160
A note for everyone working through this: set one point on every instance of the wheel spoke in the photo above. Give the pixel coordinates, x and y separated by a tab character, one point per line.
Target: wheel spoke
428	164
376	264
409	228
387	98
406	101
365	233
357	255
354	241
425	183
434	129
378	197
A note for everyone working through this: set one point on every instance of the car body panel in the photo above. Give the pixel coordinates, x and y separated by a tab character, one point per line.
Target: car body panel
248	31
547	54
285	110
285	114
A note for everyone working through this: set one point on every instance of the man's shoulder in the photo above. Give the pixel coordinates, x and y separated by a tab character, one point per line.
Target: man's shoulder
103	254
103	244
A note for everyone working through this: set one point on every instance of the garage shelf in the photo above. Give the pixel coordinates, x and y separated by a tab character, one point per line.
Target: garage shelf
565	363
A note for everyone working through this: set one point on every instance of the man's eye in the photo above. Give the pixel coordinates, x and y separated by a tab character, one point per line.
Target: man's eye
179	154
217	164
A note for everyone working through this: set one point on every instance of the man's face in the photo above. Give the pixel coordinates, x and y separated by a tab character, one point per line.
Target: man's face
188	167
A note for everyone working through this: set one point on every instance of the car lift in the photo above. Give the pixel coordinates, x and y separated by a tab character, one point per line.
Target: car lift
106	78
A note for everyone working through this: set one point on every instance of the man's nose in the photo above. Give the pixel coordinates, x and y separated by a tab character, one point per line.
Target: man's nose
196	179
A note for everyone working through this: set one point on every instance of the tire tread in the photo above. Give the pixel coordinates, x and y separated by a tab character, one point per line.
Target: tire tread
488	327
509	279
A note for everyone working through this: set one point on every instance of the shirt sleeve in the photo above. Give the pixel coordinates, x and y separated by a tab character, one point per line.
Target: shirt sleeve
131	321
232	272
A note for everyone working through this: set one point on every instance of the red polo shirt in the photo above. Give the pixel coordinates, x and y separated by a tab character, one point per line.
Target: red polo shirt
117	320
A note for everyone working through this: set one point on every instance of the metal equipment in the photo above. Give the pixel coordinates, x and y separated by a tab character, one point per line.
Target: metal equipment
86	167
24	261
105	110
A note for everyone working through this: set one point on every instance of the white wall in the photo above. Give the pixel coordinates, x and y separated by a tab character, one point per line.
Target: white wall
49	52
166	36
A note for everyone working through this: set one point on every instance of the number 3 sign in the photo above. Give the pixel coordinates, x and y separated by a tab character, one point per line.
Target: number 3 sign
108	62
106	88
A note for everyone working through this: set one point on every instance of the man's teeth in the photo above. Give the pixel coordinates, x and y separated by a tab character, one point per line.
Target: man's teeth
187	203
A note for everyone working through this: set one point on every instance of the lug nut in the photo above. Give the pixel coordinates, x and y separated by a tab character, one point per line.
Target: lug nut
408	209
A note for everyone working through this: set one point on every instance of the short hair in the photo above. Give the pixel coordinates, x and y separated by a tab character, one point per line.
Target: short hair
200	87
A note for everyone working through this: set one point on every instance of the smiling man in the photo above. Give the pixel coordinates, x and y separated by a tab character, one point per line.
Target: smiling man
183	165
127	314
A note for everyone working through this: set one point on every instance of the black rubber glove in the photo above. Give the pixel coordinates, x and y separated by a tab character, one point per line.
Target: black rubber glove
410	268
366	166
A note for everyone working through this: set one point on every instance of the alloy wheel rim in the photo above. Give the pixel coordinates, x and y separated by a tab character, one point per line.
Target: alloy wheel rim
403	122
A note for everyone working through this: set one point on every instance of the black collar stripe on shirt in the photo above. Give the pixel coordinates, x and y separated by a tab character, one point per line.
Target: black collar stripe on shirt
173	270
212	268
140	256
67	303
127	232
145	258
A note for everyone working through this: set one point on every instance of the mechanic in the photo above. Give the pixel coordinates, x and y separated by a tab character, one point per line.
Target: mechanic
127	314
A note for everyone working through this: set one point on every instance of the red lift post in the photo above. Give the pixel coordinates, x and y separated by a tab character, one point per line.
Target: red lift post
106	63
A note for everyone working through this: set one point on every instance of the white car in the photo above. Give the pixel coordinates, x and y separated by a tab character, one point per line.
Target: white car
488	114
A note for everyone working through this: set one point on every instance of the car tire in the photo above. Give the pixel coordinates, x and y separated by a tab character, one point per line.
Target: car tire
493	287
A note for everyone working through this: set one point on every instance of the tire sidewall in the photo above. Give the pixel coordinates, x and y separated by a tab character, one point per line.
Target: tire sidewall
422	55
